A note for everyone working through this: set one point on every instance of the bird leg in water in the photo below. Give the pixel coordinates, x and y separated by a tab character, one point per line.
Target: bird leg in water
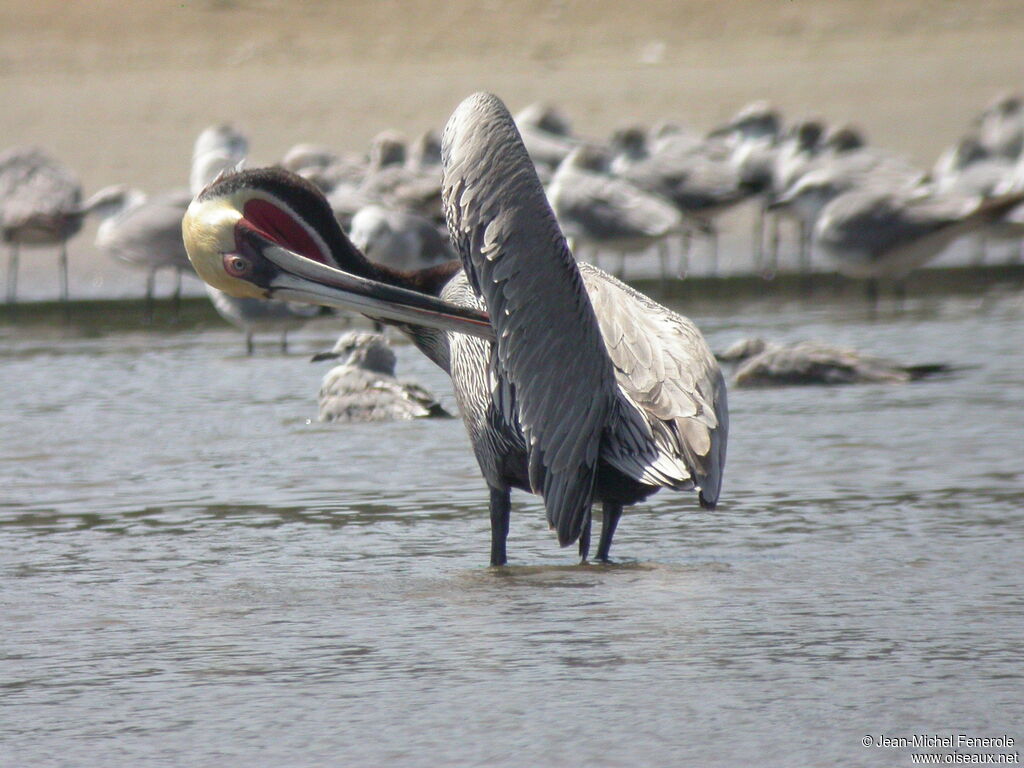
150	290
177	294
684	255
585	540
284	342
501	507
871	291
713	238
248	343
759	238
611	513
62	261
12	274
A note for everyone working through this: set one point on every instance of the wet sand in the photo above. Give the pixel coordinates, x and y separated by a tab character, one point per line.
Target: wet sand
119	90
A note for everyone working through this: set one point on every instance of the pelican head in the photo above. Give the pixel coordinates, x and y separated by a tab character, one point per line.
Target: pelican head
267	233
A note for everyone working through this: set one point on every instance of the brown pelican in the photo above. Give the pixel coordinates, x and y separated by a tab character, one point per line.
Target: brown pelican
579	388
767	364
218	150
364	387
41	204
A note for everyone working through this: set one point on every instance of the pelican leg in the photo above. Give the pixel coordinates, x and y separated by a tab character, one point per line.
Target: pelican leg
585	541
501	508
248	343
621	271
62	262
12	274
284	342
611	514
662	247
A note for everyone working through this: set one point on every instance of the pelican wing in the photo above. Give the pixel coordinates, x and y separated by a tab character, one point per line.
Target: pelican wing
674	414
554	374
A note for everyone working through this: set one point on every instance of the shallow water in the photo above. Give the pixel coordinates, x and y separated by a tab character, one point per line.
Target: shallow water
193	573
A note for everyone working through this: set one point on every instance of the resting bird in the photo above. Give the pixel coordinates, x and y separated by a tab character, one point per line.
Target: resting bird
41	204
767	364
364	387
599	211
574	386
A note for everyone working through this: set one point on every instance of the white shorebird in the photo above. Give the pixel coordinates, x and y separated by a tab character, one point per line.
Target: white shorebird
598	211
41	205
753	136
872	233
573	386
145	234
364	387
698	179
395	180
547	134
1000	126
399	239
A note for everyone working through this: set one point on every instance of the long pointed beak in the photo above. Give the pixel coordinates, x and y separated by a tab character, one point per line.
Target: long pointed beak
311	282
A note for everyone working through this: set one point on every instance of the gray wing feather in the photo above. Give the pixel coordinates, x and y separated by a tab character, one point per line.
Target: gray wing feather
549	353
674	423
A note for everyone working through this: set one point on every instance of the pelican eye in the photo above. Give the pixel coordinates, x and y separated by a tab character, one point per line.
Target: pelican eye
237	266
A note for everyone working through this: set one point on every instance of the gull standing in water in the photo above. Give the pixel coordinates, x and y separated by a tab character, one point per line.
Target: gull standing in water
599	211
874	232
574	386
364	387
41	204
146	234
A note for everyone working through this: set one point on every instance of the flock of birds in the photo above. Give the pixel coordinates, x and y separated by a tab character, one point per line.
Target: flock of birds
872	213
479	245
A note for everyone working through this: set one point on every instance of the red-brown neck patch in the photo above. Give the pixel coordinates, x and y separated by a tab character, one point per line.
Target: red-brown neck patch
281	227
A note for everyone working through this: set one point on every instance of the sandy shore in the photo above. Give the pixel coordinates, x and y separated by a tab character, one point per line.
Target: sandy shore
118	90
